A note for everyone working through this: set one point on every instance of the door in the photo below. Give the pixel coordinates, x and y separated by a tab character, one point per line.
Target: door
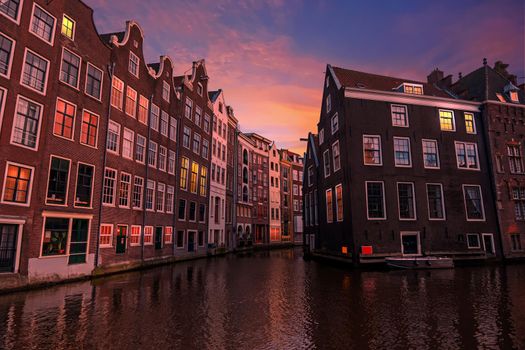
191	241
122	235
8	242
312	242
158	237
410	243
79	241
488	243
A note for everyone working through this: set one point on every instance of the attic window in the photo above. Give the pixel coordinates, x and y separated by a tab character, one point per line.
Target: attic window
416	89
500	98
200	89
514	96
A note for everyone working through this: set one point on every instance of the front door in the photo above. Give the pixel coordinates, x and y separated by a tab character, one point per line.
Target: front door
191	241
488	243
410	243
8	242
122	235
158	237
312	242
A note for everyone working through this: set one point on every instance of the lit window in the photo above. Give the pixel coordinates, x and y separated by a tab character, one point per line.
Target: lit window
133	66
143	110
6	54
66	237
446	120
34	74
467	155
26	125
402	155
117	93
473	202
131	102
168	234
185	164
42	24
399	115
106	235
329	206
514	96
148	235
93	81
501	98
58	181
372	150
204	180
17	184
406	201
134	238
415	89
68	27
470	125
436	203
88	132
339	202
194	175
430	154
64	119
337	156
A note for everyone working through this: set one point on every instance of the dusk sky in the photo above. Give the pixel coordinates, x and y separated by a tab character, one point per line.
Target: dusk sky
269	56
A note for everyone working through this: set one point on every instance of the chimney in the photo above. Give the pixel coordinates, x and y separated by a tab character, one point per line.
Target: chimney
435	76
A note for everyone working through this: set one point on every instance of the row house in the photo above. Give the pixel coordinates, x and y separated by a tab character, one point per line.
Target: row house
399	168
231	178
53	96
291	197
275	193
246	184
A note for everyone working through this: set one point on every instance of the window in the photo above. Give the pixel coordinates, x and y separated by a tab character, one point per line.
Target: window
11	9
470	125
6	54
26	125
198	114
57	184
473	241
113	144
140	149
204	180
399	115
372	150
155	117
124	190
515	159
84	189
375	200
339	202
148	235
150	194
446	120
406	201
93	81
402	155
430	154
169	199
133	66
108	188
17	184
182	209
185	164
415	89
473	203
329	206
127	143
335	123
117	93
192	216
202	212
326	162
166	91
131	102
42	24
143	110
70	68
56	234
467	155
336	156
68	27
168	235
180	239
328	103
106	235
310	175
164	122
138	186
187	108
196	143
171	162
513	96
321	136
186	137
162	158
200	89
193	179
159	200
152	154
516	242
88	133
436	203
205	148
64	119
134	238
34	73
173	129
206	124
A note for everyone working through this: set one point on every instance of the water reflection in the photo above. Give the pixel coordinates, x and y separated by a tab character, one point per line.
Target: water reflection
272	300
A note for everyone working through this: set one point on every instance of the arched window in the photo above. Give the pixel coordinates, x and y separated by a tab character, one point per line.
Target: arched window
239	230
245	157
245	175
245	193
247	230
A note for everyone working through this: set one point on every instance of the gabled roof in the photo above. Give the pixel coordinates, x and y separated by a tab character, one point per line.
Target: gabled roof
355	79
484	84
213	95
313	146
106	37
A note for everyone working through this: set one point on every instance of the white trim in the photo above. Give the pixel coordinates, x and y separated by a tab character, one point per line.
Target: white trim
79	69
380	150
43	92
11	56
117	151
466	155
2	105
74	26
413	201
101	81
31	25
442	202
479	241
465	202
130	190
483	235
331	204
334	117
334	76
140	208
473	123
37	141
333	157
19	234
392	115
144	235
411	99
384	217
110	245
72	139
135	105
92	186
17	19
411	233
29	192
437	153
51	156
98	128
131	235
338	219
132	148
113	202
453	119
70	217
324	163
132	54
409	152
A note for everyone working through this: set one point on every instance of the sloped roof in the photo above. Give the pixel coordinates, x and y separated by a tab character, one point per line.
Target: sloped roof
155	66
106	37
355	79
213	95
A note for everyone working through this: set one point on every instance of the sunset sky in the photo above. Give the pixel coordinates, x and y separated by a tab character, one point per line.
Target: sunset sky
269	56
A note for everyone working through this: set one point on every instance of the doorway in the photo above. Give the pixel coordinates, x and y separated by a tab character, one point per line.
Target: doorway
410	244
8	245
191	241
488	243
122	235
158	237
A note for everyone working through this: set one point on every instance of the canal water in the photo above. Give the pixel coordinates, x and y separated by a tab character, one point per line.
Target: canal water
272	300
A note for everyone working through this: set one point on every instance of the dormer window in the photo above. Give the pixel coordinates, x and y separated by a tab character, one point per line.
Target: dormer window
133	66
416	89
500	98
514	96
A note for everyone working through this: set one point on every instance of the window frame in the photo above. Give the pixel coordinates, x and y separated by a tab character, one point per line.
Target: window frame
30	29
51	156
44	91
327	168
97	131
117	151
444	218
77	87
385	215
414	202
453	120
39	127
2	105
73	31
329	218
407	125
437	154
333	156
474	129
132	55
478	167
336	118
130	190
110	245
129	90
364	150
339	219
394	138
18	15
72	139
115	185
11	55
90	206
99	99
478	239
481	201
30	186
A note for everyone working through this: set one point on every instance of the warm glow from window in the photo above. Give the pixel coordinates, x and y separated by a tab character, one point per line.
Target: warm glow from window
446	120
344	250
500	98
413	89
469	123
514	96
68	27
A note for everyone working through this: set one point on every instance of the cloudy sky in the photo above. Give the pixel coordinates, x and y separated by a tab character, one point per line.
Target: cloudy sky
269	56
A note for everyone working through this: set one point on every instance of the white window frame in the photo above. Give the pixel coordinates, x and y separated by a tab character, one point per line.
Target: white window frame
53	32
141	193
468	243
116	179
473	123
2	105
411	233
92	186
11	55
23	70
132	149
51	156
442	202
131	235
117	151
334	117
409	152
120	106
99	98
128	90
384	217
328	103
17	19
37	142
55	118
338	219
130	190
110	245
144	160
414	202
160	148
437	153
133	56
98	128
380	151
74	27
166	89
77	87
465	202
326	170
453	120
456	143
392	115
329	220
30	190
333	156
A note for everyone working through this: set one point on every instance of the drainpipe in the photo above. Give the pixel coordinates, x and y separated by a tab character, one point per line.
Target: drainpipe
146	177
110	70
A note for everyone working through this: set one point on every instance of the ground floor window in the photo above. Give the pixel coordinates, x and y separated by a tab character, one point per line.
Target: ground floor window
201	238
168	235
275	234
66	237
516	242
148	235
134	239
180	239
473	241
